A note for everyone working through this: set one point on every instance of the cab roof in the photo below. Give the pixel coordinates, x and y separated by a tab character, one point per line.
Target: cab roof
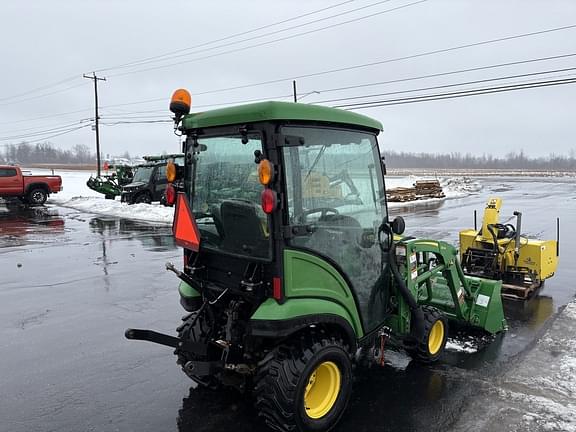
277	111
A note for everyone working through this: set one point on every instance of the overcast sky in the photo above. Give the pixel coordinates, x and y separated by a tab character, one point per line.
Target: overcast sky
49	41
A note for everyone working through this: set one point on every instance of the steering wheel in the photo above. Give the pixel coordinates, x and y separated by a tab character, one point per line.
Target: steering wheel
322	210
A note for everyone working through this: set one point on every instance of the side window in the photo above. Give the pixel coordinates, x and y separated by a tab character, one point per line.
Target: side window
161	173
7	172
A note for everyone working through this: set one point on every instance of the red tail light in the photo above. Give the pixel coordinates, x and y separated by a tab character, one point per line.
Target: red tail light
277	288
170	195
184	226
269	199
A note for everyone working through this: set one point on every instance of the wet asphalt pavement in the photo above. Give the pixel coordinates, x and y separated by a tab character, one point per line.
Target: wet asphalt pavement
71	282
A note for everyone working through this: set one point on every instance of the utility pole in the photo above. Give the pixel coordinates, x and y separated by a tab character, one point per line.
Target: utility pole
96	79
294	90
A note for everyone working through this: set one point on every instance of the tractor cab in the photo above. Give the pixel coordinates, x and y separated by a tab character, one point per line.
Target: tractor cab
292	270
301	191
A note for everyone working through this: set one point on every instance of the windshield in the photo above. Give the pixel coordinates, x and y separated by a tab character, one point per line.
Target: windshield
334	169
226	196
335	188
143	174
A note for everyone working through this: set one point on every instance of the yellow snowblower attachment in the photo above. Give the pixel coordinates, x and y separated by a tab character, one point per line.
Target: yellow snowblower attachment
499	251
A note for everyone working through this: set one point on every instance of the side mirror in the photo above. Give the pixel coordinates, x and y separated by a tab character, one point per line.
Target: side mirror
398	225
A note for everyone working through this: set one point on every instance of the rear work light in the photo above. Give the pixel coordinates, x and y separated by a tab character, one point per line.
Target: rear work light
265	172
170	195
269	200
277	288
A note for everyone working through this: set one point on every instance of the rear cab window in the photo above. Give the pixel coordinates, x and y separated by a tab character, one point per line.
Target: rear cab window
8	172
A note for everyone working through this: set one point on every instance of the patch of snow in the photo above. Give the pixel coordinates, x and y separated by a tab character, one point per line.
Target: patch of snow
570	310
465	346
78	196
144	212
552	415
459	187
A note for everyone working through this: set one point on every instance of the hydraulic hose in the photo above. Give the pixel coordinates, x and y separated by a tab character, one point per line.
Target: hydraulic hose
417	327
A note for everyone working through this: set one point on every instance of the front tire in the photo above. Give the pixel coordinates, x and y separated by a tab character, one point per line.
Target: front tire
435	336
144	198
36	196
304	386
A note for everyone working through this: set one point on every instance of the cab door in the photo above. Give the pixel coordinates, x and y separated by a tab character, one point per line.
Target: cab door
335	202
10	182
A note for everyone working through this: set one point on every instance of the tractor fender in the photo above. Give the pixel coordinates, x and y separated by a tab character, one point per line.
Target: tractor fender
272	319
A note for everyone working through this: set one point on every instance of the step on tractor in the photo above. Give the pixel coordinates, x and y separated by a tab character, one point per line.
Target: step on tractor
290	274
499	251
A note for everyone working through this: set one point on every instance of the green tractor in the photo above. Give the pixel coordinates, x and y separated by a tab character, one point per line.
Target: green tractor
292	275
110	184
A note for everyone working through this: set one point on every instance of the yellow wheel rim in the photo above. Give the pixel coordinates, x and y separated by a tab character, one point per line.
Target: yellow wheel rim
322	390
436	337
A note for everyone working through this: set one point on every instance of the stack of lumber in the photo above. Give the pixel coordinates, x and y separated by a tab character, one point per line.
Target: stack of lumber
429	189
401	194
423	189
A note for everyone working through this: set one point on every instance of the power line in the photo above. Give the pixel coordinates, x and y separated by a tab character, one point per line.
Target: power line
234	102
43	128
46	116
458	94
269	42
399	80
74	77
450	85
380	62
35	97
225	38
392	60
137	122
44	87
453	72
39	132
266	34
44	138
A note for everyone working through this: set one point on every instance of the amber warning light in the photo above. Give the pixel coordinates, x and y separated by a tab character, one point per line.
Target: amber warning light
184	226
180	102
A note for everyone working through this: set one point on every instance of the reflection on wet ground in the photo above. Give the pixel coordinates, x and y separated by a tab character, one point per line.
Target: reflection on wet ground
21	225
70	283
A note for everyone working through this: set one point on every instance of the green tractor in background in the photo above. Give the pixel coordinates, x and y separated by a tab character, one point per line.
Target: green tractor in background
291	274
110	184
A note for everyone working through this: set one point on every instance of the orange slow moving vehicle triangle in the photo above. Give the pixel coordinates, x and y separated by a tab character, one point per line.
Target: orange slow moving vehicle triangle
184	226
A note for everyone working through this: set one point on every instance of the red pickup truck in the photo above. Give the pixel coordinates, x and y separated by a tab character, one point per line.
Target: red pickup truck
30	189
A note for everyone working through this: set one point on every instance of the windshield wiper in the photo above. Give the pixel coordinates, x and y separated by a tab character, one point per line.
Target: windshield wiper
320	153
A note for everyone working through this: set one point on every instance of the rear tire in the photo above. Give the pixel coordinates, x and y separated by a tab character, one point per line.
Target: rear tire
196	333
304	386
36	196
435	335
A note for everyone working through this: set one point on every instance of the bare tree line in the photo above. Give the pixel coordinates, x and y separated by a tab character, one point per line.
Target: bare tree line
513	160
23	153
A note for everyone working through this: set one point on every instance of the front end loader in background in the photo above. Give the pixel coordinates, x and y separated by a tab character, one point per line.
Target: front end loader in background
291	276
